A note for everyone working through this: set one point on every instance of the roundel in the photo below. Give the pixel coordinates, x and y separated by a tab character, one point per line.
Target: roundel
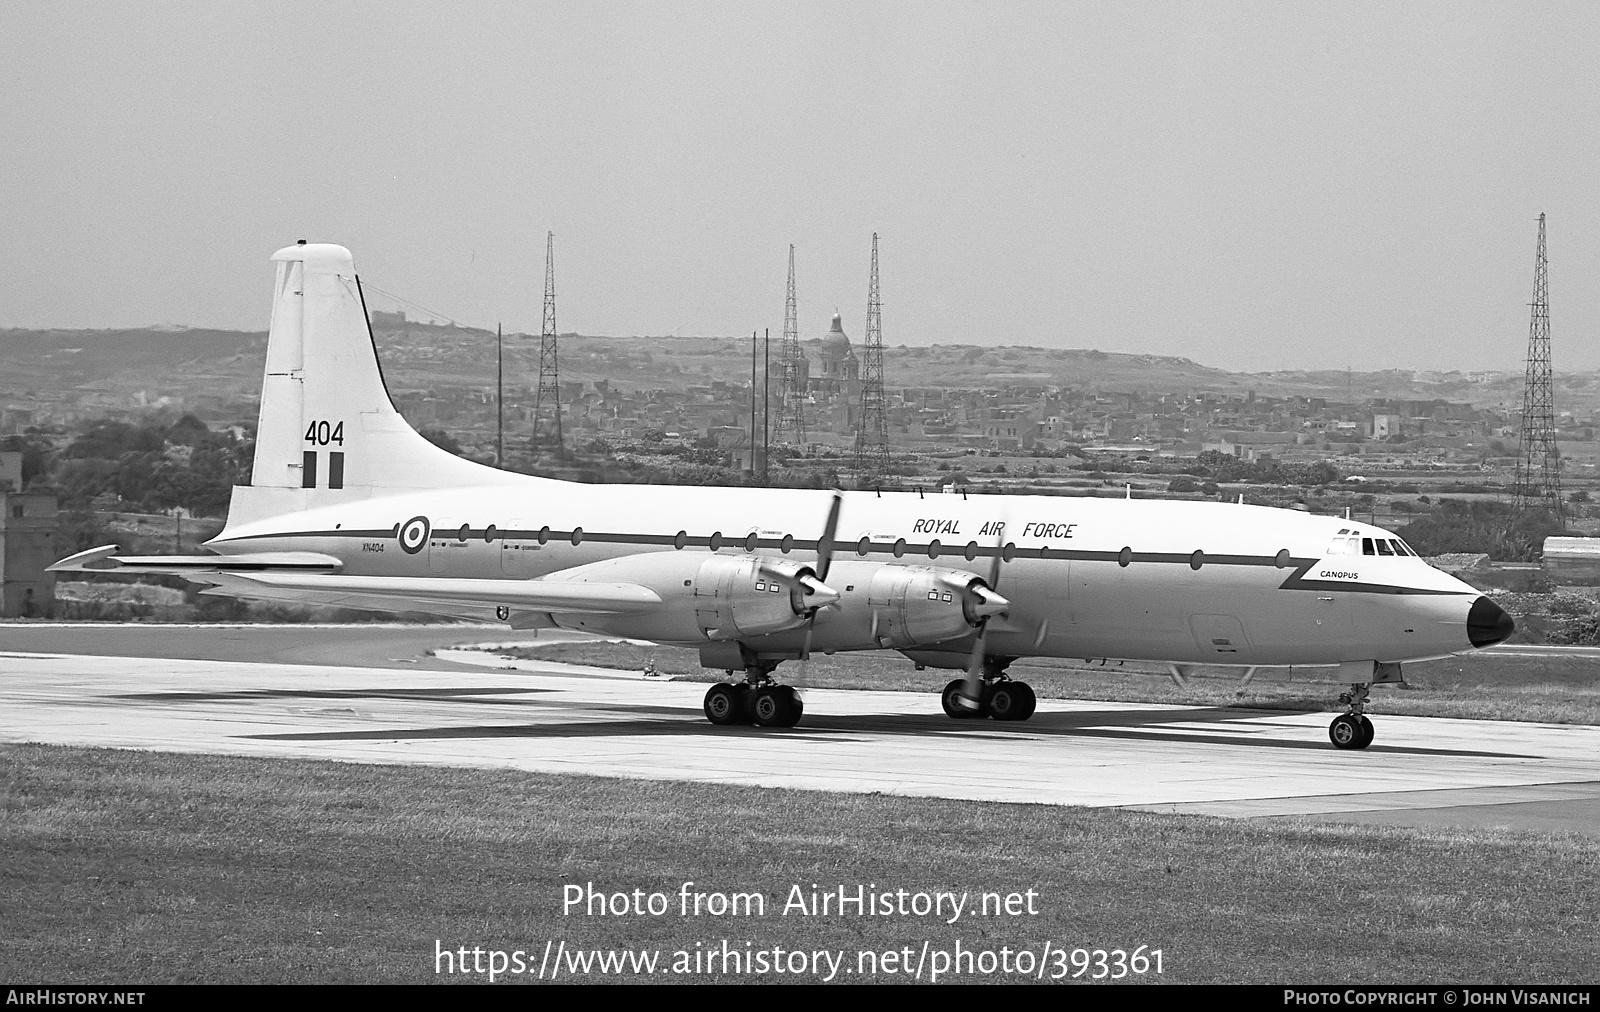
502	613
413	535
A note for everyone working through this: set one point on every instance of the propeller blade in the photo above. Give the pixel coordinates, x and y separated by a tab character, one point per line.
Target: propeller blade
829	529
818	588
971	696
988	603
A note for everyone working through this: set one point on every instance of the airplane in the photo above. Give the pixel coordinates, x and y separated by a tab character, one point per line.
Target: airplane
349	506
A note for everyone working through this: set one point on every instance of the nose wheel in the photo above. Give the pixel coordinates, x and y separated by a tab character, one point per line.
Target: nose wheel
1352	730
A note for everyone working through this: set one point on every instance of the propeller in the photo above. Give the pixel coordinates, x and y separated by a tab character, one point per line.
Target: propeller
988	604
824	561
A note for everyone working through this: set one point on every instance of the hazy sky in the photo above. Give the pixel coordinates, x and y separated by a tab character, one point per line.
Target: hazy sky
1253	186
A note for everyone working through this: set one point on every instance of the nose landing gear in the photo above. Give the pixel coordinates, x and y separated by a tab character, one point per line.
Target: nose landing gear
1352	730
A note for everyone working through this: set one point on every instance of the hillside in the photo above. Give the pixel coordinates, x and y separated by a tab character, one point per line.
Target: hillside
226	365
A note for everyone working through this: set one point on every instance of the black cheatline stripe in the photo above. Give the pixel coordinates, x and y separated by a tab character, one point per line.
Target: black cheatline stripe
842	548
1297	581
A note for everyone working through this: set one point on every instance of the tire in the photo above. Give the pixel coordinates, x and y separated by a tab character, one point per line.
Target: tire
1005	702
1366	732
797	706
724	705
1345	732
1027	702
773	706
953	709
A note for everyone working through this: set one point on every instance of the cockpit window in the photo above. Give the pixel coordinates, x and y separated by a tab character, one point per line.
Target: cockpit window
1383	546
1366	547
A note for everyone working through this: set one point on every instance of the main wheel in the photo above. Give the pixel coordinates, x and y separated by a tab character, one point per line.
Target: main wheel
724	704
1366	732
774	706
797	706
1346	732
1027	702
1007	702
951	700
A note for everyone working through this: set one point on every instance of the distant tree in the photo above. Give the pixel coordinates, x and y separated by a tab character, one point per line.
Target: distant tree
442	439
1489	527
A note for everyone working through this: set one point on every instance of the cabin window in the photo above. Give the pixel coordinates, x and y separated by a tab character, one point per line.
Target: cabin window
716	540
461	535
544	535
972	550
577	536
863	546
1125	557
1009	552
488	534
681	540
750	542
787	543
1197	560
933	549
900	548
1282	559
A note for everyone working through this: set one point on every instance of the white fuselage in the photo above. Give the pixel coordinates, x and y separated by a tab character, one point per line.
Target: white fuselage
1085	577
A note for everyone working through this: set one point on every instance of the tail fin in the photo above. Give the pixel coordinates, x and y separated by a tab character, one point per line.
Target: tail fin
328	431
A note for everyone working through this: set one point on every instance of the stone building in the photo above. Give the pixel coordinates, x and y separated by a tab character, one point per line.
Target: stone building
27	546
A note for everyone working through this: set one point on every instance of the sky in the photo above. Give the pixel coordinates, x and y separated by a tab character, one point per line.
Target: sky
1252	186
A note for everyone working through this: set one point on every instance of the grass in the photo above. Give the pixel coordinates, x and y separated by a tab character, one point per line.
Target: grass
1549	689
150	868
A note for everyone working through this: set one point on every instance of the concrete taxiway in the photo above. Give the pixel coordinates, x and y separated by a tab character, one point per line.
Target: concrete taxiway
278	692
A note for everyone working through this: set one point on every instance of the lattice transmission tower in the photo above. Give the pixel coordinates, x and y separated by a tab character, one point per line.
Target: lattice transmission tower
547	400
872	437
1538	459
792	415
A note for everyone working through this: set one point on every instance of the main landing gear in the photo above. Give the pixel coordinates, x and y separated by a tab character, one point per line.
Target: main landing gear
757	700
1000	698
1352	730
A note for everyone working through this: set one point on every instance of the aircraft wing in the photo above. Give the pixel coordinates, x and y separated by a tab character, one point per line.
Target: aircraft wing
312	578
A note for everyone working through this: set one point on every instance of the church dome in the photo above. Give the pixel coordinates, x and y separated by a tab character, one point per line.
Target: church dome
835	344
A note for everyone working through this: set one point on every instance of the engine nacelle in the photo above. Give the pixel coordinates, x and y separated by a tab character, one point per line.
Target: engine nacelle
704	597
904	606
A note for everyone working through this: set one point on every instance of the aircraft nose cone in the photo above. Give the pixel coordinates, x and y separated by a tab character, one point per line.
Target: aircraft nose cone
1488	624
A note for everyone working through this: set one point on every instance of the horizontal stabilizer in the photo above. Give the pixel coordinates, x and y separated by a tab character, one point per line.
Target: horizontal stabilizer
105	559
